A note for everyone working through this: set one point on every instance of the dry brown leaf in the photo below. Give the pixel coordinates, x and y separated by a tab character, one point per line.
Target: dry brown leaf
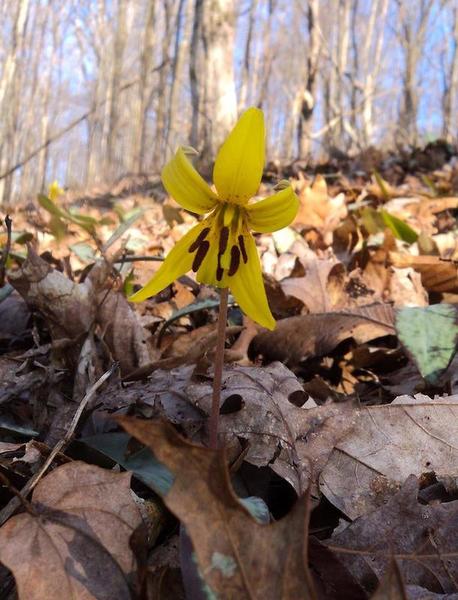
122	331
331	576
237	557
68	307
437	274
321	288
392	585
198	350
414	534
318	210
72	309
267	407
298	338
243	342
387	444
76	545
14	318
420	212
184	343
406	288
17	384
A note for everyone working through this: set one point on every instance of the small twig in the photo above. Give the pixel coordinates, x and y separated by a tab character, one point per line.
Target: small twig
130	259
6	251
14	503
25	503
219	363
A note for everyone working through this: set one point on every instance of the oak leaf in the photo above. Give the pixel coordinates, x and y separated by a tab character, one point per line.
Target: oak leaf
75	544
237	556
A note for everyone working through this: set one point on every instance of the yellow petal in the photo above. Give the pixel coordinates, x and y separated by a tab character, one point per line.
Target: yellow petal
55	191
274	212
240	160
247	287
179	261
184	183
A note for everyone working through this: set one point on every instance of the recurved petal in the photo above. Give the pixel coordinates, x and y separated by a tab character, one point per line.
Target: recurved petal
239	163
184	183
274	212
178	261
248	289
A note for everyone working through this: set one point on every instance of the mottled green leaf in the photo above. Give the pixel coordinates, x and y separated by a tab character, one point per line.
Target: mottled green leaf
430	334
142	463
50	206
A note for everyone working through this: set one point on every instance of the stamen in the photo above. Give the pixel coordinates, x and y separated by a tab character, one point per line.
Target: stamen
235	260
219	270
223	239
241	241
200	238
219	273
200	255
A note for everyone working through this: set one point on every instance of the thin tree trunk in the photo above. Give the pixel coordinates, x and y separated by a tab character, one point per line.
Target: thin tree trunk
307	95
246	70
141	105
451	86
194	81
160	92
219	84
10	96
181	44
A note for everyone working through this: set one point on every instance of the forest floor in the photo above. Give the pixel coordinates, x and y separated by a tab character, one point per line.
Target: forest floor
340	427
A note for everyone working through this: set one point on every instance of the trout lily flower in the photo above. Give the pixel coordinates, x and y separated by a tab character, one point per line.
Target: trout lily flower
54	191
220	249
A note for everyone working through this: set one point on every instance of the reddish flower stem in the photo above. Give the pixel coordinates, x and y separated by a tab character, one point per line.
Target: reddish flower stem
219	363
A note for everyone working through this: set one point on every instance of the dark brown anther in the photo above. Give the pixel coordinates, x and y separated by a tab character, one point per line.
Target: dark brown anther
200	238
235	260
219	273
242	248
200	255
223	239
219	269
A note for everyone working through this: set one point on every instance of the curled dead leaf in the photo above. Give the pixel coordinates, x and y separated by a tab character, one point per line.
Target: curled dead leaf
296	339
237	556
437	274
285	430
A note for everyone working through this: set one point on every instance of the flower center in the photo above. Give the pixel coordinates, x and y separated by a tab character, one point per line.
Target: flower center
222	242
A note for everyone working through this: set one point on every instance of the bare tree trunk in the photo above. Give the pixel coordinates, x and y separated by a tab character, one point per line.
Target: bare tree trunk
263	68
195	81
112	92
160	92
180	46
449	101
10	95
46	100
221	101
306	97
372	65
246	71
334	81
141	108
413	22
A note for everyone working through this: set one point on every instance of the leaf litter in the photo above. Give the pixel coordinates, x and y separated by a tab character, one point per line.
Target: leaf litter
340	425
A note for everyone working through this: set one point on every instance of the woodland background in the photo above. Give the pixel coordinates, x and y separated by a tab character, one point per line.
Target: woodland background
339	474
96	89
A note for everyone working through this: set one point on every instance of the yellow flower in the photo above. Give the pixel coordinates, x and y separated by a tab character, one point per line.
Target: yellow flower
54	191
220	249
